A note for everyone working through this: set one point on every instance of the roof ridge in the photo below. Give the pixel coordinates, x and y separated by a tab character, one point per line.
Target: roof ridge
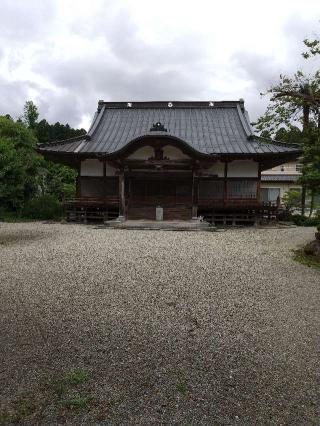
61	142
244	122
96	121
280	143
170	104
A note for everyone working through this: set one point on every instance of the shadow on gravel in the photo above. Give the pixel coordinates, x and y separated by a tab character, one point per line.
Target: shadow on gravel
17	237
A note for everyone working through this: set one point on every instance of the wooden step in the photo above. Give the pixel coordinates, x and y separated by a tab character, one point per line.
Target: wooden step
169	212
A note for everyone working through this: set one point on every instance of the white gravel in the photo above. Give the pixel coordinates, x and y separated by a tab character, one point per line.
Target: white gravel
228	317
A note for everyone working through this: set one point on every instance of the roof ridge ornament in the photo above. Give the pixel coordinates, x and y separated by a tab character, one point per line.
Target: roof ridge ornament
129	104
158	127
211	104
170	104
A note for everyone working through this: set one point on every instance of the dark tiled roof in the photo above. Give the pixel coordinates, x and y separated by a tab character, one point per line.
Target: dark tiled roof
279	178
219	128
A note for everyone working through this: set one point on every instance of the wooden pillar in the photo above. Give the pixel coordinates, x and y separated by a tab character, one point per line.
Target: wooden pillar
78	187
259	183
104	168
225	191
78	181
104	179
121	196
195	190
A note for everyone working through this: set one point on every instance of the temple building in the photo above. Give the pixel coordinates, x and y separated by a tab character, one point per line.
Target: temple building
170	160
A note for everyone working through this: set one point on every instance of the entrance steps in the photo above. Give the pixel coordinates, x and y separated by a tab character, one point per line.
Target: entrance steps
166	225
170	213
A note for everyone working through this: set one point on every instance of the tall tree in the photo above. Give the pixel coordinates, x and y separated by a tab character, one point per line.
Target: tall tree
18	164
313	48
56	179
30	114
296	101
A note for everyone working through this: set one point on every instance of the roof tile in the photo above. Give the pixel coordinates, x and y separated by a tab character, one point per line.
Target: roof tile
222	129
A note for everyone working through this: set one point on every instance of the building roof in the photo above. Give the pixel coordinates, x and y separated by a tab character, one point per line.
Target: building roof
207	127
279	178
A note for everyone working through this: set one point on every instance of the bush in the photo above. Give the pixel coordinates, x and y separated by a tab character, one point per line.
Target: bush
312	221
44	207
299	220
292	200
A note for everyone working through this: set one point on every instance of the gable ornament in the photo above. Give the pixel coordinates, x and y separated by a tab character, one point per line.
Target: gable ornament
158	127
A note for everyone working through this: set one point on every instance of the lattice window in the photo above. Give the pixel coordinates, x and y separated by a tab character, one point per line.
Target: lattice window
242	189
270	194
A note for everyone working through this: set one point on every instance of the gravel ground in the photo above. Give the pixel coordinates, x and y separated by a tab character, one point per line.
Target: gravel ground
178	328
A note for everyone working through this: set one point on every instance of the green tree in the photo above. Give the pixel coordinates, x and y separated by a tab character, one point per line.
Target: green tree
313	48
310	178
291	200
25	174
30	114
46	132
295	102
56	179
18	164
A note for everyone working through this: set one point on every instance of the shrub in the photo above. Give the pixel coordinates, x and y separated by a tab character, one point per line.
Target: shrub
44	207
299	220
292	200
312	221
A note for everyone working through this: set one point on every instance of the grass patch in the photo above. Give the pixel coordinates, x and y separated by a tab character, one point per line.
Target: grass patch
66	394
70	391
77	377
25	405
11	217
76	402
182	388
304	259
58	389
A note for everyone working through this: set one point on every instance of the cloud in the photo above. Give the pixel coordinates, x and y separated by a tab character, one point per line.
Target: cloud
125	67
13	96
65	56
22	20
258	70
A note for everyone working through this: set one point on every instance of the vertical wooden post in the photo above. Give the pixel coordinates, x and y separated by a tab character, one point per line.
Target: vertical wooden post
195	189
78	187
121	196
259	183
259	213
78	181
104	180
225	192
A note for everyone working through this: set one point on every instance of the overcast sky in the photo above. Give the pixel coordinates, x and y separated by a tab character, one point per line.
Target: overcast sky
66	55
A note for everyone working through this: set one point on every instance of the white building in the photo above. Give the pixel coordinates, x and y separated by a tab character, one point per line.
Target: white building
277	181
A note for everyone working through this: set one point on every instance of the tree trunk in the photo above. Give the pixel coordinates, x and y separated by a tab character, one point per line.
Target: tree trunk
303	200
311	204
306	116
